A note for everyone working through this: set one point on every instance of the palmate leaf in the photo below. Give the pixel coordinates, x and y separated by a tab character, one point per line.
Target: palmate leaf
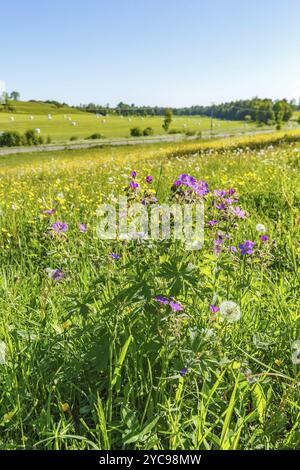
178	274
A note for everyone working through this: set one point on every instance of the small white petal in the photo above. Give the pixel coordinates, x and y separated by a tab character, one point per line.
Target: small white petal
2	352
230	311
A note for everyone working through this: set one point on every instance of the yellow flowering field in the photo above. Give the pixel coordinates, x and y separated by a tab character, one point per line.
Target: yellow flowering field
140	343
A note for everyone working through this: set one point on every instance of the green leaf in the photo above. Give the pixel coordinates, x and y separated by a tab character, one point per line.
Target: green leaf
117	371
145	430
260	401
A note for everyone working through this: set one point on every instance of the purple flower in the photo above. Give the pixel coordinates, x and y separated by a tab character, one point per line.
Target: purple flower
59	226
175	306
199	187
214	308
134	174
187	180
247	247
220	192
161	299
133	185
183	371
82	228
231	191
48	211
233	249
217	243
264	238
220	207
213	222
58	274
149	179
114	255
238	212
230	200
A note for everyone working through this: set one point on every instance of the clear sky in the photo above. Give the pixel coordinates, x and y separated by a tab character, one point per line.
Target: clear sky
164	52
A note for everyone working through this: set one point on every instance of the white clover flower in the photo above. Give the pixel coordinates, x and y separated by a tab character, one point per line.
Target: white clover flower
230	311
296	353
261	228
2	352
49	272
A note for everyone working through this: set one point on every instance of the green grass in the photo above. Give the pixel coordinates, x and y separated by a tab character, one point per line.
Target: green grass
39	108
93	361
60	129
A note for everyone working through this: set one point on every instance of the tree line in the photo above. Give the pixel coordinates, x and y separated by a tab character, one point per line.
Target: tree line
264	111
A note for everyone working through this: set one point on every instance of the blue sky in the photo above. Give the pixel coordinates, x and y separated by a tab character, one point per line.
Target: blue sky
164	52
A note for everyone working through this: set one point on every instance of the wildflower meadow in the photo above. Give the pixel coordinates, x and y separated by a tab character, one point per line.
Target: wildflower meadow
141	343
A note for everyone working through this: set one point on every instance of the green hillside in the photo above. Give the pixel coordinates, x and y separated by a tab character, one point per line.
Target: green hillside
40	107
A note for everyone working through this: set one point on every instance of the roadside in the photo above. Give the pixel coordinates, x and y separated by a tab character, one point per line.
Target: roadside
123	142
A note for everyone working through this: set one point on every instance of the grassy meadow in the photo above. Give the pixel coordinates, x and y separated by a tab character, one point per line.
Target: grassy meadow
129	344
61	129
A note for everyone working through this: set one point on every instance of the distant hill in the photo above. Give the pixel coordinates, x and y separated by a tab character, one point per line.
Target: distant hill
40	107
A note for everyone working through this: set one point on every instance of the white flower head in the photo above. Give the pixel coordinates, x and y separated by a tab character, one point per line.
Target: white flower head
261	228
230	311
2	352
50	272
296	353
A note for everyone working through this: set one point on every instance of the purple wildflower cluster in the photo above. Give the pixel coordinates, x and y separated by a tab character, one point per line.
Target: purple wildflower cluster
224	214
247	247
135	192
59	226
224	203
175	306
188	189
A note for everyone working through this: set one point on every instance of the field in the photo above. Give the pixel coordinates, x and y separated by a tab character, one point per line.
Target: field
109	344
60	127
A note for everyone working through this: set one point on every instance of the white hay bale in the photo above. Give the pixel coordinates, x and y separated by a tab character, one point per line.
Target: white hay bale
38	130
74	123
